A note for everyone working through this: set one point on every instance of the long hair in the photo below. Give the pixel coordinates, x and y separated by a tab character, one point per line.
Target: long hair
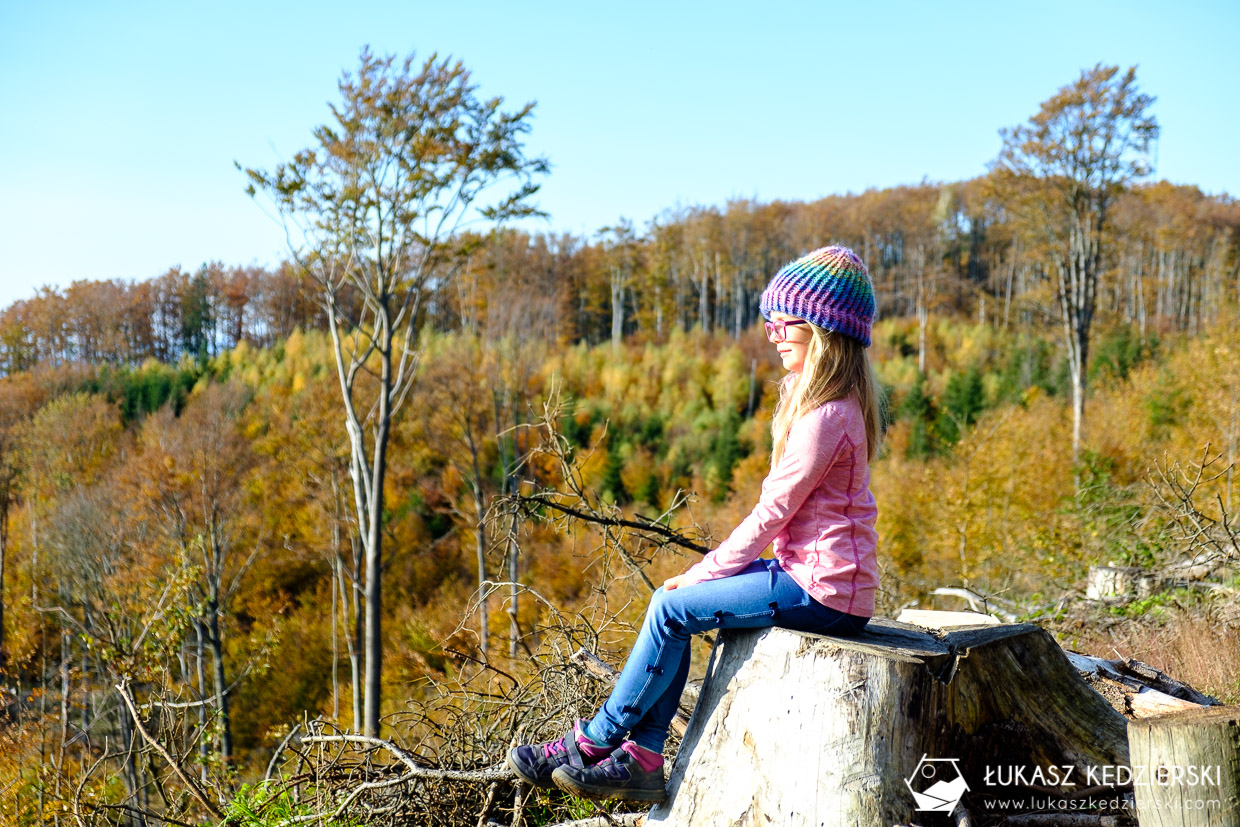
836	366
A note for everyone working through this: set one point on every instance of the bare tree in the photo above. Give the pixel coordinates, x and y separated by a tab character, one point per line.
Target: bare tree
1064	171
372	212
196	467
619	243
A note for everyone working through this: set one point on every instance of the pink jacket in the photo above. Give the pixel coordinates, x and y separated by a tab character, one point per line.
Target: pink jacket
817	509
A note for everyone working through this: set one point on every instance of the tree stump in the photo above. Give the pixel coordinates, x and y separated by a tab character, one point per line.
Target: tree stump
1186	768
801	729
1119	583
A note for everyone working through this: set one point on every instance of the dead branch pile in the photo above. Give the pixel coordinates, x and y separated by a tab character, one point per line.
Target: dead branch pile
446	768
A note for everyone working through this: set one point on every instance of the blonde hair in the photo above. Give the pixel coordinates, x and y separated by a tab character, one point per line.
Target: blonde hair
836	366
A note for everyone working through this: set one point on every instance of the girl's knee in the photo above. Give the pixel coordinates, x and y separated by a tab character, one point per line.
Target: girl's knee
666	611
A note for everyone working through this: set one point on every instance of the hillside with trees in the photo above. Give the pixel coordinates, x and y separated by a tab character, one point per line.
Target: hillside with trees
193	522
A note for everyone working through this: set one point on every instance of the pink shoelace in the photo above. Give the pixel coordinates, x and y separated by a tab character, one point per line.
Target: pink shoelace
554	747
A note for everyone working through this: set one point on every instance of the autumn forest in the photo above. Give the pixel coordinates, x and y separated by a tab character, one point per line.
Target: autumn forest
385	487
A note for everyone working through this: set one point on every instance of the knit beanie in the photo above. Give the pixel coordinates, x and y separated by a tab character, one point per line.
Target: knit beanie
829	287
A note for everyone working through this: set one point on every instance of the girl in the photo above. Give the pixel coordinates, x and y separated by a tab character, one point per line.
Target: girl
816	508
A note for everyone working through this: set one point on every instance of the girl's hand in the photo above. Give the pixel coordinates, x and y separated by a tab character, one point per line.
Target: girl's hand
676	582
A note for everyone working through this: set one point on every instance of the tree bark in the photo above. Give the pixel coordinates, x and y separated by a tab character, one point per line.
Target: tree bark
335	582
216	641
480	541
4	545
204	754
374	547
1186	768
132	772
514	590
355	652
617	306
800	729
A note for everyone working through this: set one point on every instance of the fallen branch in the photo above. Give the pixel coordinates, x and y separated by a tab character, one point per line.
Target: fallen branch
195	790
275	758
486	803
366	786
618	820
497	772
977	602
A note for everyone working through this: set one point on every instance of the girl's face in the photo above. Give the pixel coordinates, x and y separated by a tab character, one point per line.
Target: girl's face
795	343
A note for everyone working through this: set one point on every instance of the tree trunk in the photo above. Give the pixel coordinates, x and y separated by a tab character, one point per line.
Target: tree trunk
216	641
1186	768
355	652
1139	285
374	543
203	742
132	773
514	627
66	655
720	308
800	729
87	709
480	551
335	582
1077	291
703	283
480	534
738	303
4	544
920	308
514	549
374	613
617	306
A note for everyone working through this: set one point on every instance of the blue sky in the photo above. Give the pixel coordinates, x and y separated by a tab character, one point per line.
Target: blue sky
120	122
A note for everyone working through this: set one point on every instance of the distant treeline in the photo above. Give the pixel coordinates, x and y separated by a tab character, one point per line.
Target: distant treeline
178	313
1173	263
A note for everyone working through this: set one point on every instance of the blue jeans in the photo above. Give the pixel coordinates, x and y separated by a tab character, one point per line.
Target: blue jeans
648	693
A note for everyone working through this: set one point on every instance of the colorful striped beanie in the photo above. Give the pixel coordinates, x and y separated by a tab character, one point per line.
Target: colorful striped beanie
829	287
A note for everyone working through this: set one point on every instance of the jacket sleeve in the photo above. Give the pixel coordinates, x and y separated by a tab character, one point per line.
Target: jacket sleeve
814	443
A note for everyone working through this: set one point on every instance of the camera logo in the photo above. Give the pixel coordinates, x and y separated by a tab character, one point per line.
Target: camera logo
937	784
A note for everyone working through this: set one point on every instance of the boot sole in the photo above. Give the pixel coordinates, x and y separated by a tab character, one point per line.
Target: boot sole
571	785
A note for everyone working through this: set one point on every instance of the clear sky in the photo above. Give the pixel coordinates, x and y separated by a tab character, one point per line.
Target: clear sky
120	121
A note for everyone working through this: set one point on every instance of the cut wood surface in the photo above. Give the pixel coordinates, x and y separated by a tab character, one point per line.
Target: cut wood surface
800	729
1186	768
932	619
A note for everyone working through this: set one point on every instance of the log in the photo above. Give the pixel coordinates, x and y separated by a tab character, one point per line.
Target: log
801	729
1137	689
1186	768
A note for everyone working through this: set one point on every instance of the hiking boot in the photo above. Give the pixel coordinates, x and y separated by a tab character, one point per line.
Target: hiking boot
617	776
534	763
